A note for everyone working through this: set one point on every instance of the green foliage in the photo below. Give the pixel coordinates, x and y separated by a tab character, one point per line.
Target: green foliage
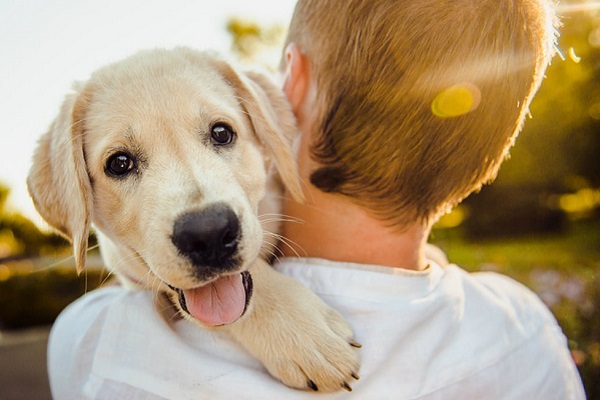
558	151
4	191
35	299
255	44
20	238
506	211
560	144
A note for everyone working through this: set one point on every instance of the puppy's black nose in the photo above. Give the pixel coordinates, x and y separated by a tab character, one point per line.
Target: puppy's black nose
209	238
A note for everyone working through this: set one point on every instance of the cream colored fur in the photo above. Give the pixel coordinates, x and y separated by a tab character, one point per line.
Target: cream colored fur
160	104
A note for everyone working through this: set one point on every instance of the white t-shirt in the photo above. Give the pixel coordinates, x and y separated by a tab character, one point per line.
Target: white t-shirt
437	334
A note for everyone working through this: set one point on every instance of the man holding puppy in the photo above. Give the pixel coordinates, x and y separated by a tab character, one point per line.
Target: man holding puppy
405	108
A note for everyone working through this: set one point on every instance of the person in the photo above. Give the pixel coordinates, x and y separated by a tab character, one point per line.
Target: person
404	108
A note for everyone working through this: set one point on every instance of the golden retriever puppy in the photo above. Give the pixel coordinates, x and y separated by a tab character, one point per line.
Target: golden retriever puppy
169	154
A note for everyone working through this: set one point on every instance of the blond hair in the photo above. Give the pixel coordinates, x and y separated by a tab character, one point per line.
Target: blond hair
420	100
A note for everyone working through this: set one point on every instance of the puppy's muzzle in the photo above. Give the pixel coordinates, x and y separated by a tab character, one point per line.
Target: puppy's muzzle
209	239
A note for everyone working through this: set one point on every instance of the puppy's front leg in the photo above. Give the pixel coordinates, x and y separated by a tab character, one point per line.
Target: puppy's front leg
300	340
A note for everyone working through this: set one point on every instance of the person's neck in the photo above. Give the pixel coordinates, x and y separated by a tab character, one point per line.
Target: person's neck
331	227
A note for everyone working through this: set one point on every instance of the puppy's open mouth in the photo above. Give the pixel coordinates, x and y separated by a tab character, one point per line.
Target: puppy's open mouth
220	302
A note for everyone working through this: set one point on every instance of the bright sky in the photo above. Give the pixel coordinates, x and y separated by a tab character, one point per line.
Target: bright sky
46	45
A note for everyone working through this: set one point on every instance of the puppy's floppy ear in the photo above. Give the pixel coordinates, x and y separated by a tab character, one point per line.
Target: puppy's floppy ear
272	119
58	181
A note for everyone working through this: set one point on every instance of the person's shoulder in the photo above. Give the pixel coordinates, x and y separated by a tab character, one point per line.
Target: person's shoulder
519	333
500	307
514	296
499	296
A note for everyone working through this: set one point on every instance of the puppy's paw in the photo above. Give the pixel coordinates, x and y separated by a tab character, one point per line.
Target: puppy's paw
300	340
318	353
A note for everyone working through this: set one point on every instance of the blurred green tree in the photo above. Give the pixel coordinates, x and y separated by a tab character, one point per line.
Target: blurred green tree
255	44
19	237
558	151
560	145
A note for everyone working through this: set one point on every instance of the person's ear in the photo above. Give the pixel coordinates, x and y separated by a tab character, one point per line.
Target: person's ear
296	77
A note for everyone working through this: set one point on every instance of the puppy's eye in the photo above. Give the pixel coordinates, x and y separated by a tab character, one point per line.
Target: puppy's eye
221	134
120	164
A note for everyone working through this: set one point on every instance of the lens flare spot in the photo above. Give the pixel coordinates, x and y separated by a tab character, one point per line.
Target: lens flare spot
456	100
576	59
594	37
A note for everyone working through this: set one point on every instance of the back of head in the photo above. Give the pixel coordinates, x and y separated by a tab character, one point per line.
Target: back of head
419	100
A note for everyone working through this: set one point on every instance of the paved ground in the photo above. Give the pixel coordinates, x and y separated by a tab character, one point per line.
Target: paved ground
23	365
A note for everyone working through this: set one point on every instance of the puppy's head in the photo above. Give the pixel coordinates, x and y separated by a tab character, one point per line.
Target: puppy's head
167	153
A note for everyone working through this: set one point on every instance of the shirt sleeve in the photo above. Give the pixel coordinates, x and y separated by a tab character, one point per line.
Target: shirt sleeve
545	358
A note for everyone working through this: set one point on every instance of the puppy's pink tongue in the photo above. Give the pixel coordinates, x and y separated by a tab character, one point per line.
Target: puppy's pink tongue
218	303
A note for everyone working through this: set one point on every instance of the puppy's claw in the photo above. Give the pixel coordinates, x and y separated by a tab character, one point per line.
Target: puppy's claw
354	343
355	376
346	387
312	385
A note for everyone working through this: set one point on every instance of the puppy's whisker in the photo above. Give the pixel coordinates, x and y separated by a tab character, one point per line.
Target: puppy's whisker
268	220
150	282
56	263
272	235
122	263
125	260
156	284
274	255
106	278
94	247
62	261
292	245
273	217
270	247
280	215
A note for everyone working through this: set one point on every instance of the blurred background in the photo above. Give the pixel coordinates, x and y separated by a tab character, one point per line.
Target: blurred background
539	222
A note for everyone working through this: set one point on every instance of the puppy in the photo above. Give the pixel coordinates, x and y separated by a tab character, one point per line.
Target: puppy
169	155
